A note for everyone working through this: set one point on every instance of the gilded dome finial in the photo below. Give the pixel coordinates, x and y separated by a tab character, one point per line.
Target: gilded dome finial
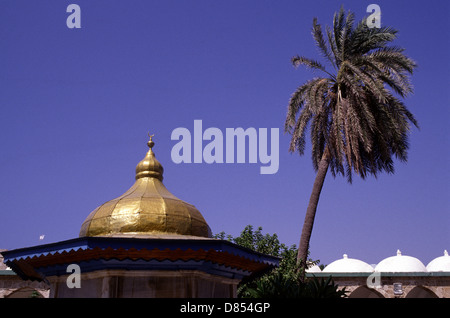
150	143
149	166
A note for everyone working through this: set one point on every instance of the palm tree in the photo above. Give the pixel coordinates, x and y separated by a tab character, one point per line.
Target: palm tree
357	124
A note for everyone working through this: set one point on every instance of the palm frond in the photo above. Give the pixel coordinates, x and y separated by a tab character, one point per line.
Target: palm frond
310	63
321	43
354	114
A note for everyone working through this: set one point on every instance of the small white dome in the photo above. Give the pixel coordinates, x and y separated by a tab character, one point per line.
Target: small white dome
348	265
400	263
440	264
313	269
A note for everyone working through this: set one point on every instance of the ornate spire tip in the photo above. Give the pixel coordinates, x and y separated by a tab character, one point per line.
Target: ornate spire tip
150	143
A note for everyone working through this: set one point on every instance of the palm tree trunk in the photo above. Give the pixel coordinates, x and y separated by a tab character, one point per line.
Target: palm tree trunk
311	210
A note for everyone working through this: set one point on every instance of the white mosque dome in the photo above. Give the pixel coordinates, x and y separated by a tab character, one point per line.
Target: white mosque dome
400	263
348	265
313	269
440	264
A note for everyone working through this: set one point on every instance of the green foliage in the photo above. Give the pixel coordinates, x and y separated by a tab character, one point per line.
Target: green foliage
256	241
321	288
286	281
275	285
35	294
279	285
352	110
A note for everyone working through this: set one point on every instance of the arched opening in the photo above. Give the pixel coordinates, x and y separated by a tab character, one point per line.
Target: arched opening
25	292
421	292
365	292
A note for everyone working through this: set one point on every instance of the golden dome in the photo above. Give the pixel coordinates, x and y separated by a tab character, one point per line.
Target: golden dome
147	208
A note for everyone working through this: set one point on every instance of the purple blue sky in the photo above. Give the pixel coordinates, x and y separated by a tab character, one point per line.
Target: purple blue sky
76	106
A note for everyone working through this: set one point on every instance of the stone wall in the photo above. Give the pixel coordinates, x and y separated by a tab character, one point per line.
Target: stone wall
12	286
425	286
